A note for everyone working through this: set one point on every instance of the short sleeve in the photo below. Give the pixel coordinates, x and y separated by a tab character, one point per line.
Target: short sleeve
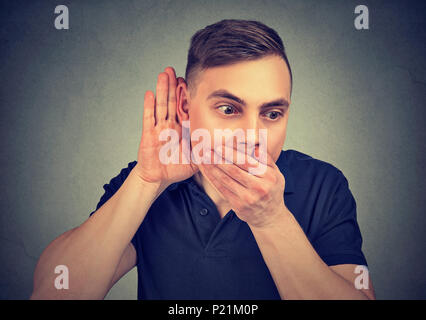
339	240
112	187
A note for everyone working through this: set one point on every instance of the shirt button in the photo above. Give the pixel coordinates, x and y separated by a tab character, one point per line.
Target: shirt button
204	211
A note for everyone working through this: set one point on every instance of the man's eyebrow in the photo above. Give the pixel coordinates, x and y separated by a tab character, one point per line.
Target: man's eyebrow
222	93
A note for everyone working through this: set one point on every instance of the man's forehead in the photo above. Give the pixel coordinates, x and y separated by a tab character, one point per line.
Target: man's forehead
266	76
244	84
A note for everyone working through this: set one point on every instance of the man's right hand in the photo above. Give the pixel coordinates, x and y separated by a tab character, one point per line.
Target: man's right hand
160	114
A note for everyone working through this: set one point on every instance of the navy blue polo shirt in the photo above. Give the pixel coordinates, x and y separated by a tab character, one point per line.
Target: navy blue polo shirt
186	251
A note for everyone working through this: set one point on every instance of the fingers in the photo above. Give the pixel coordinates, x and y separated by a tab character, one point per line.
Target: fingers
239	164
171	102
226	185
148	111
165	102
161	97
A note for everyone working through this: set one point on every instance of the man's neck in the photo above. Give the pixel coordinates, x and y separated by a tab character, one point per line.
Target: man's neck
222	204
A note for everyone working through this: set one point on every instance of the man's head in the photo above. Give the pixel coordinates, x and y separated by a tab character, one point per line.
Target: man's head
235	69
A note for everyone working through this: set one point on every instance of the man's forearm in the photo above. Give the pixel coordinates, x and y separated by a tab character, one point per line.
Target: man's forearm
297	270
93	250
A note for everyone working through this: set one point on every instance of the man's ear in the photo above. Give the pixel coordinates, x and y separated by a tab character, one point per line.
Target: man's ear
182	95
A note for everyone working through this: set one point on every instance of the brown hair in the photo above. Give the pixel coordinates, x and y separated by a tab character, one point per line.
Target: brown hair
229	41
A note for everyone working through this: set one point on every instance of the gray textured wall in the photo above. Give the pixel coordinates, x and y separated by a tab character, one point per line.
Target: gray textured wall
71	115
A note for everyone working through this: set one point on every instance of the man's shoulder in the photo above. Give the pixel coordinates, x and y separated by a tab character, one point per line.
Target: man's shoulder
126	170
118	180
302	163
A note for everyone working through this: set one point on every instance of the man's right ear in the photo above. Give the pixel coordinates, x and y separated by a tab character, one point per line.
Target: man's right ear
182	95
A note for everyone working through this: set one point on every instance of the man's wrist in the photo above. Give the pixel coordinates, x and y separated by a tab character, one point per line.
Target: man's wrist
155	187
281	213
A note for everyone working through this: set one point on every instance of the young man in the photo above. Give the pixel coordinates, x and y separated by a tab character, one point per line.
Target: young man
216	231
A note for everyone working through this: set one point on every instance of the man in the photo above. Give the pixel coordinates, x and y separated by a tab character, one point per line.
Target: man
216	231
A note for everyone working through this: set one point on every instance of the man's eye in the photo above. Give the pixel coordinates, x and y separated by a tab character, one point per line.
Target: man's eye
227	109
273	114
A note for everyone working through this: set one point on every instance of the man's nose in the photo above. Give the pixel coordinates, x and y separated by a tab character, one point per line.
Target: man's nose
251	126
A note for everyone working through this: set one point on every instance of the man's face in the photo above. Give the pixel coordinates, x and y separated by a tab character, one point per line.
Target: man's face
235	96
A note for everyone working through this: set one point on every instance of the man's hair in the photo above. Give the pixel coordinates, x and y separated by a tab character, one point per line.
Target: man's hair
230	41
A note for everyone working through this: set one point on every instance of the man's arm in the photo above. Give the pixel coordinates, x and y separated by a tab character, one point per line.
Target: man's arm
97	252
127	262
349	272
296	268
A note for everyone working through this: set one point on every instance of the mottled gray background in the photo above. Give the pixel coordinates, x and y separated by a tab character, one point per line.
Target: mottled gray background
72	101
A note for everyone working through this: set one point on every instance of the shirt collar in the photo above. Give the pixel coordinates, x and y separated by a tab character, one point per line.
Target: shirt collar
174	186
282	164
